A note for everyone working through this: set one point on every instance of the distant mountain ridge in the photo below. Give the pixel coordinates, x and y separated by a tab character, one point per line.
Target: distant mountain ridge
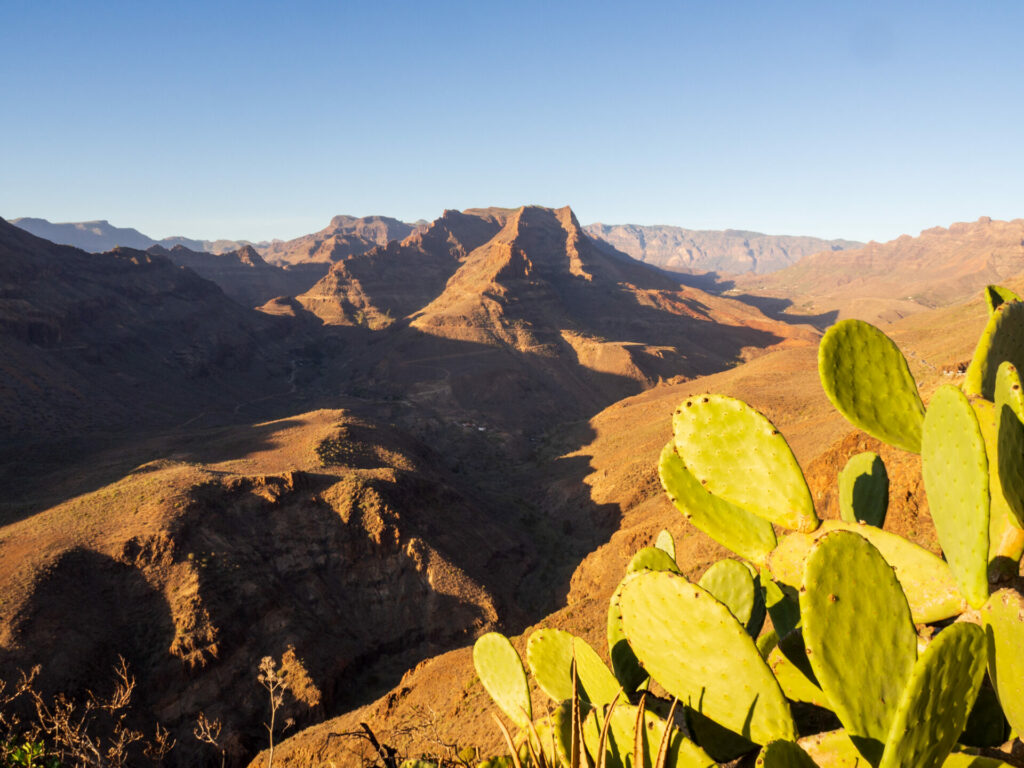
729	251
100	236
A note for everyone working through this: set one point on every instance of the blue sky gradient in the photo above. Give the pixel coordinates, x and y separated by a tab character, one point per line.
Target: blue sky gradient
263	119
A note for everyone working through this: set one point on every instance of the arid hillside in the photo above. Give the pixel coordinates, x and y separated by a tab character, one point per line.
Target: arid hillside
883	282
728	251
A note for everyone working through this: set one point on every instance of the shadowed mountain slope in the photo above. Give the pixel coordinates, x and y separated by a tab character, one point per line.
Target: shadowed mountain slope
729	251
883	282
126	338
243	274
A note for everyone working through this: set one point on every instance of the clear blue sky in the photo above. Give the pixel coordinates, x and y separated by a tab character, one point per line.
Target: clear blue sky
256	119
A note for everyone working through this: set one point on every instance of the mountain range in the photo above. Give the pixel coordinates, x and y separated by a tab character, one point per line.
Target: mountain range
671	248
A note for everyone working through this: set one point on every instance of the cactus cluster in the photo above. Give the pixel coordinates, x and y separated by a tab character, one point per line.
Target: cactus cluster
913	656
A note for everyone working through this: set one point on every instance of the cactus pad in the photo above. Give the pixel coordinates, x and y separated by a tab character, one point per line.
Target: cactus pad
792	669
739	456
926	579
1002	339
1009	417
864	490
1003	615
624	662
1005	539
549	652
859	635
868	381
955	471
784	754
746	534
933	710
501	671
996	295
652	559
666	543
833	749
694	647
731	583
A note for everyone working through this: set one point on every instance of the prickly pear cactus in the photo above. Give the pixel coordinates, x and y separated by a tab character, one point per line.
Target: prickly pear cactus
743	532
1009	418
933	710
792	669
1005	539
1003	615
863	673
501	671
1002	339
694	647
731	583
625	666
996	295
868	381
864	490
739	456
784	754
926	579
550	654
666	543
956	479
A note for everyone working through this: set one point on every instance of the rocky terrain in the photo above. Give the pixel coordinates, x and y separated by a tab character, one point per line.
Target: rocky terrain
729	251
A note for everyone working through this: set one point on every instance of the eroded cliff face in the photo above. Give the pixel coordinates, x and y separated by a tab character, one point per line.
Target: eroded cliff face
350	571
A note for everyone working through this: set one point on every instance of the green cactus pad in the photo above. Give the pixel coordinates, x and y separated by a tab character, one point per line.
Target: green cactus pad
1005	539
1002	339
694	647
782	602
501	671
833	749
652	559
967	760
746	534
955	471
666	543
926	580
549	652
852	608
792	669
864	490
739	456
1003	616
561	726
934	707
766	643
731	583
868	381
627	669
784	754
1009	418
996	295
682	752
